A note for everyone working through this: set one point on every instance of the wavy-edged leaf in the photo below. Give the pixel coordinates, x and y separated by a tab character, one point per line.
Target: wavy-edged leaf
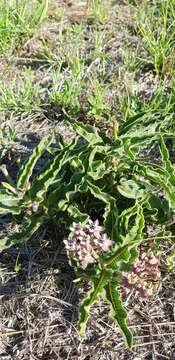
162	178
98	170
166	161
92	297
130	189
9	187
101	150
76	214
111	220
69	190
135	129
88	132
131	237
97	162
27	169
118	311
25	232
131	122
134	232
42	182
9	204
111	211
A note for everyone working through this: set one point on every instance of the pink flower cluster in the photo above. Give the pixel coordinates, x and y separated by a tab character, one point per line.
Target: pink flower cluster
86	243
143	276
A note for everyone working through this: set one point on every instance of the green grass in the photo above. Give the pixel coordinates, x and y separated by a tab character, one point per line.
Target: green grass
67	89
72	79
18	20
132	59
156	24
97	106
100	10
69	73
7	139
20	94
80	85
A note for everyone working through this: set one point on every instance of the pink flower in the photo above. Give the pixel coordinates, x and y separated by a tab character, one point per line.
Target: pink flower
86	243
143	276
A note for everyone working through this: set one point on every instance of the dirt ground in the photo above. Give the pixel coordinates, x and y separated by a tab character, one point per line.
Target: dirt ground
39	303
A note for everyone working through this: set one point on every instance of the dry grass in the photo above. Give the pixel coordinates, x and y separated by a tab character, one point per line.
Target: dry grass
39	307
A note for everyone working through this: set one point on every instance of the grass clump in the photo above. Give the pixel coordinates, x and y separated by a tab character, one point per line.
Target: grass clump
100	11
18	20
66	91
20	94
156	24
97	106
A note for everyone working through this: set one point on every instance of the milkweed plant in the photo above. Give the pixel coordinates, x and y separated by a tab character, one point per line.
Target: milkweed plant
105	192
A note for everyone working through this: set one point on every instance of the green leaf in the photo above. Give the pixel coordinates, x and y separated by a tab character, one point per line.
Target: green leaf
129	124
76	214
134	232
27	229
10	188
27	169
17	267
168	166
162	178
42	182
111	220
131	237
118	311
88	132
98	170
97	162
9	204
92	297
130	189
69	190
110	213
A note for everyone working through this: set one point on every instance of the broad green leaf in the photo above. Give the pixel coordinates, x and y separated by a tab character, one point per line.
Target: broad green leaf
118	311
9	204
98	170
128	149
134	232
131	237
97	150
68	191
130	123
141	133
76	214
97	162
88	132
42	182
111	212
161	178
27	169
111	220
166	161
92	297
130	189
125	218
